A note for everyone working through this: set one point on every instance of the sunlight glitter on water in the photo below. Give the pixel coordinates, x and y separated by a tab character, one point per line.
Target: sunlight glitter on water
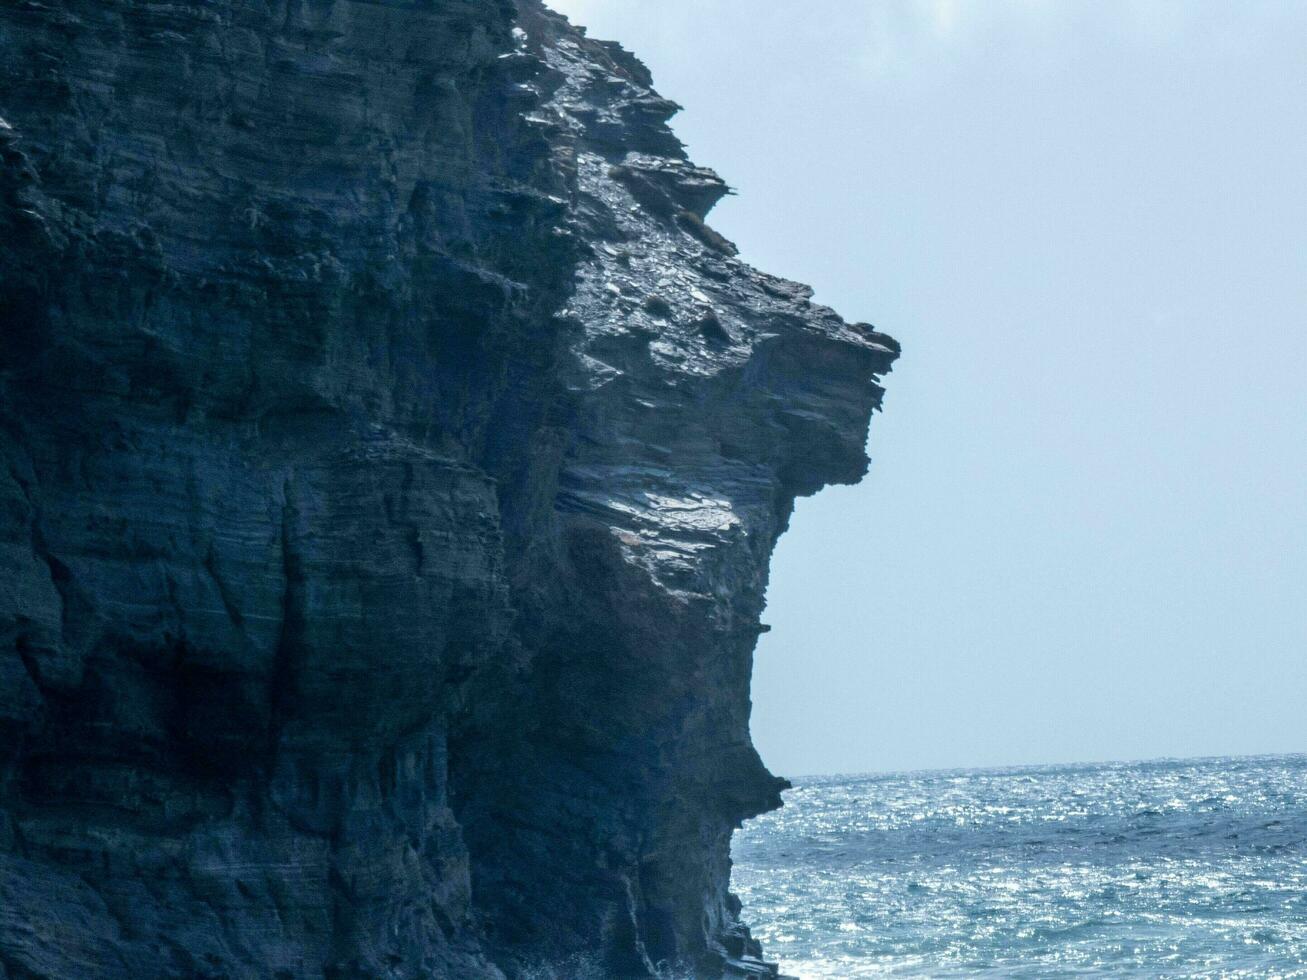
1174	869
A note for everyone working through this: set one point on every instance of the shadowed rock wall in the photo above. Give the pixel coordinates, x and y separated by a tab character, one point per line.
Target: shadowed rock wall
390	460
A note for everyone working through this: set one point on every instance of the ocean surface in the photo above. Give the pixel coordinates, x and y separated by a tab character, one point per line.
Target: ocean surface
1157	869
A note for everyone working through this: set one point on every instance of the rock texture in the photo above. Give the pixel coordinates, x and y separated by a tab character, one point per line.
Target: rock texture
390	460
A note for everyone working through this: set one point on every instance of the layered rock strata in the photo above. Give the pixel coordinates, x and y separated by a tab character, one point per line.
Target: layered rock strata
390	461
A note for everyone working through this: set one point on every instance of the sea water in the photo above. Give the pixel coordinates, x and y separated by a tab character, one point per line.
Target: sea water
1156	869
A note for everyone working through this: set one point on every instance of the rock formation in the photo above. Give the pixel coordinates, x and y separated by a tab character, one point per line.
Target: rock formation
390	461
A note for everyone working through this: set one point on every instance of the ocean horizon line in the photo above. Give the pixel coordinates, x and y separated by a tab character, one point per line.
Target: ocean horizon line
1037	766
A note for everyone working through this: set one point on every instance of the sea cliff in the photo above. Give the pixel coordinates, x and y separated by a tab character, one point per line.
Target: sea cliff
390	461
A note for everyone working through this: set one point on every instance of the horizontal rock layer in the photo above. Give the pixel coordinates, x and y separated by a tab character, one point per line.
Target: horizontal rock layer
390	461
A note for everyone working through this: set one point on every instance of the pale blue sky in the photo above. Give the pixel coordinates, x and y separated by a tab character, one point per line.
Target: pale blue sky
1084	535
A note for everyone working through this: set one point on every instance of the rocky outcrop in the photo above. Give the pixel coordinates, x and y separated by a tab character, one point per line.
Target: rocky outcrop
390	460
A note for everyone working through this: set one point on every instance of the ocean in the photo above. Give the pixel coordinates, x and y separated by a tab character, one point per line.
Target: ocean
1192	868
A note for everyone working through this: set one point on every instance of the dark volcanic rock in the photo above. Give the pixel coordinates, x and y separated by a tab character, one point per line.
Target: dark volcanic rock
390	460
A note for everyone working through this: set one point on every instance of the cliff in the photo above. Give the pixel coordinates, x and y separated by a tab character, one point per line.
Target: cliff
390	461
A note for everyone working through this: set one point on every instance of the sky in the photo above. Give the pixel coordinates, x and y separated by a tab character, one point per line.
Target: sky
1084	533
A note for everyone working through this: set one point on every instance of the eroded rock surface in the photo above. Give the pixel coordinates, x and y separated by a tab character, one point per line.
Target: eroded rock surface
390	461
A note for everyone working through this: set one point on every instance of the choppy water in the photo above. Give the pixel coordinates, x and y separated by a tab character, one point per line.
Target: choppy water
1157	869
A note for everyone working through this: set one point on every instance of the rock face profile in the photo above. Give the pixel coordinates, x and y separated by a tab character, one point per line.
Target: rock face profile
390	461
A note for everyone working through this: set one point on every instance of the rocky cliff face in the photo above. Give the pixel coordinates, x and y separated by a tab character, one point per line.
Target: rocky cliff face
390	460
